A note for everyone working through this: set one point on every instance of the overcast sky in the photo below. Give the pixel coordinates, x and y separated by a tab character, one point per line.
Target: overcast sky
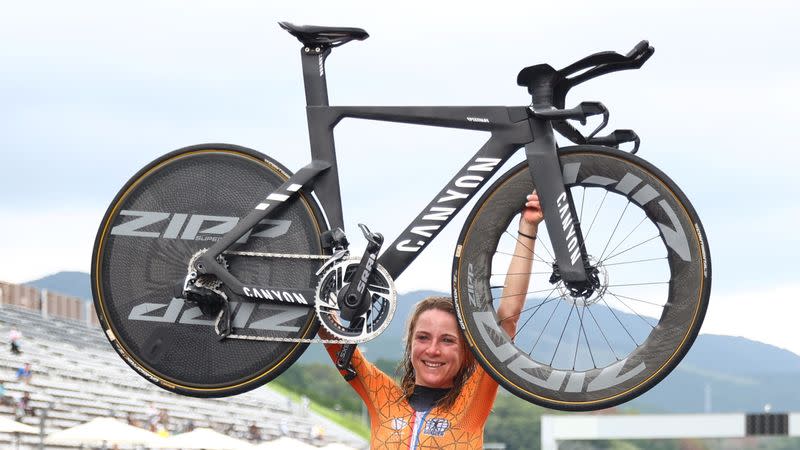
90	91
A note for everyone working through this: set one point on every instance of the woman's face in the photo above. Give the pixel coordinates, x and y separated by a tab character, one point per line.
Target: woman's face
436	349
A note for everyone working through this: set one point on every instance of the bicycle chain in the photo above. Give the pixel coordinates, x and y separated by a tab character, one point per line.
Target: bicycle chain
285	339
275	255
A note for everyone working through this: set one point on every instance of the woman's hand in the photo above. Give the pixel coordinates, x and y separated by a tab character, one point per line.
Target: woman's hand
532	211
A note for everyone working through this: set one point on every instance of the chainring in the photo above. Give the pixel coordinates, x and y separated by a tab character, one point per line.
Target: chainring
383	299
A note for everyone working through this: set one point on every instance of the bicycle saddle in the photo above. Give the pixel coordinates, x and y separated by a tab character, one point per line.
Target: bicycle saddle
311	35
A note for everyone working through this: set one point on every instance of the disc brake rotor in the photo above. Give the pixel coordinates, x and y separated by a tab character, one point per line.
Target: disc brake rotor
599	286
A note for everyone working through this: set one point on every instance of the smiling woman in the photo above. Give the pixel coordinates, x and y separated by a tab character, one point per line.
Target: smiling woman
436	361
444	398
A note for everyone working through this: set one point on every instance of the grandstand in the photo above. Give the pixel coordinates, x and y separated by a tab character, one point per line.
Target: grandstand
76	376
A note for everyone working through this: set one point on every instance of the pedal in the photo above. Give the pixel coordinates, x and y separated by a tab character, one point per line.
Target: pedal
343	359
375	239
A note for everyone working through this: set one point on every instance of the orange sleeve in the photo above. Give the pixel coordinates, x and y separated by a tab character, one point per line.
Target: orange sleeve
482	390
369	383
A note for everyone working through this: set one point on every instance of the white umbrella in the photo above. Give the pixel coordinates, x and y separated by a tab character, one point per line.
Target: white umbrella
204	438
11	426
103	430
336	446
285	443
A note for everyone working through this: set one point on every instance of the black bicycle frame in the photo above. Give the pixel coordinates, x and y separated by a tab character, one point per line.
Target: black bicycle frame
511	128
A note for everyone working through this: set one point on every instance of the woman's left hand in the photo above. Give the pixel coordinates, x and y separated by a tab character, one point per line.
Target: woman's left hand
532	212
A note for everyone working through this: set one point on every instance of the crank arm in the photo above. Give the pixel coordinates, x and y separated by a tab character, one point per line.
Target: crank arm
354	302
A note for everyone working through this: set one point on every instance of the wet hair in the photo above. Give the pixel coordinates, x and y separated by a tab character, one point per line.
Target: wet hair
406	369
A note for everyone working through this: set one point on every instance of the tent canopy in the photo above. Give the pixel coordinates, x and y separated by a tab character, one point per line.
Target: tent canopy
103	430
11	426
204	438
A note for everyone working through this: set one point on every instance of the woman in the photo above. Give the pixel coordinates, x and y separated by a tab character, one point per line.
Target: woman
444	398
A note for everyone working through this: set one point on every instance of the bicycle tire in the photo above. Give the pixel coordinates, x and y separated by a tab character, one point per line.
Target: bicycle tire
183	202
619	368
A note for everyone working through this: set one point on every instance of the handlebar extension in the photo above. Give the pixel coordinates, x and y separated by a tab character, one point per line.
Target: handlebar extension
549	87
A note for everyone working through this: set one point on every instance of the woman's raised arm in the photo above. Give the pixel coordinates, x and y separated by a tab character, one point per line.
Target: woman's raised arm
518	275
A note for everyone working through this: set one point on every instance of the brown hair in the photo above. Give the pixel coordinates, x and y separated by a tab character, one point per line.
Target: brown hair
406	369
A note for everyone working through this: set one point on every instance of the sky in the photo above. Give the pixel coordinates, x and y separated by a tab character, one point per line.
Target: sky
90	91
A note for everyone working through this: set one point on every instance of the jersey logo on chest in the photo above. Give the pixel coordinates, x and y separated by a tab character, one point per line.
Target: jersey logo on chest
436	427
399	423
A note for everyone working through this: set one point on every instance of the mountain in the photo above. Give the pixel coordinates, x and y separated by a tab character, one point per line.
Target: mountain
756	357
719	373
728	374
74	284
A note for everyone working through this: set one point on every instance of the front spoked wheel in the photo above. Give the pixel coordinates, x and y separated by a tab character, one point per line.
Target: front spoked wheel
653	282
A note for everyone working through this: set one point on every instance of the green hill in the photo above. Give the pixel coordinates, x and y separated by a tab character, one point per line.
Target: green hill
725	373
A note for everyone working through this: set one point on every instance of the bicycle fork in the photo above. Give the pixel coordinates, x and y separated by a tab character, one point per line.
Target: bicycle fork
571	262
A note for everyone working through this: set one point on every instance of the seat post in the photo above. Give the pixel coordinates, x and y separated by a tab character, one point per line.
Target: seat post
314	74
320	131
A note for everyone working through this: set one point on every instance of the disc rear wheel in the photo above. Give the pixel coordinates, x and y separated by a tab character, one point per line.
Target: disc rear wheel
172	209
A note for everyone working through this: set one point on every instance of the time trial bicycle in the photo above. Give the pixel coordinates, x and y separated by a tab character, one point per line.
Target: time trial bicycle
215	265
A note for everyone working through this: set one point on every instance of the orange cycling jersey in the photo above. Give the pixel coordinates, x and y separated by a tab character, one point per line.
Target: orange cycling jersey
394	423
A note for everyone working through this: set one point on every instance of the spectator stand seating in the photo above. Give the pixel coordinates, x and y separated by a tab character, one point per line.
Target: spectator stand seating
77	376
